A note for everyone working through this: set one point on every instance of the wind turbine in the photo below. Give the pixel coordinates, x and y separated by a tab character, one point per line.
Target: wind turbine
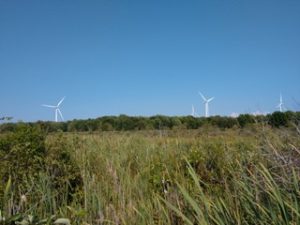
194	114
280	105
206	101
57	110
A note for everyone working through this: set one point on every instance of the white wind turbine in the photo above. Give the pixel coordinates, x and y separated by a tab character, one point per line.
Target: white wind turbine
206	101
57	110
194	114
280	105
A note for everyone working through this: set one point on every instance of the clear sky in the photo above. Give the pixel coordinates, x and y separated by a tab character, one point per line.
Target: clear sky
139	57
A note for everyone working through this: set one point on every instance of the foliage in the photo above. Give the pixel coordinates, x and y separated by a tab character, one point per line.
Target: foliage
278	119
208	175
29	167
159	122
22	153
245	119
60	166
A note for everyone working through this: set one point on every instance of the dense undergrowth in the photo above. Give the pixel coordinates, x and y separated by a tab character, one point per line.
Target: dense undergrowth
203	176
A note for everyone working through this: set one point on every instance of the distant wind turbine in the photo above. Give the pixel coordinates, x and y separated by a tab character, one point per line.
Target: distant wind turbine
194	114
280	105
206	101
57	110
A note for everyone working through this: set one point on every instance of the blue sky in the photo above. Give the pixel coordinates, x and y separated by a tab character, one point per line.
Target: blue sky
136	57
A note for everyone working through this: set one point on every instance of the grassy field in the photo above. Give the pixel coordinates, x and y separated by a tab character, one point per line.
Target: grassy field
204	176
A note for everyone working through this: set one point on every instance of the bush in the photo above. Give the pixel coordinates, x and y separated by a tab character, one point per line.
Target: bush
22	156
23	153
32	167
278	119
245	119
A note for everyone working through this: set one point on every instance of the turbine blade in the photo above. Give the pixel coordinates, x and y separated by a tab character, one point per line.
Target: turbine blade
61	101
210	99
202	96
60	114
49	106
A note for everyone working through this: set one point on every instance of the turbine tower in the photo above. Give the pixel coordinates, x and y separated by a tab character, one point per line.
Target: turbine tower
57	110
206	101
280	105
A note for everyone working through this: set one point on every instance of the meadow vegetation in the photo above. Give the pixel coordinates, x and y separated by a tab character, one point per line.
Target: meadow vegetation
246	174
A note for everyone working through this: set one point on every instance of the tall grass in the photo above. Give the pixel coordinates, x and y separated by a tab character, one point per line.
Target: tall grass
248	176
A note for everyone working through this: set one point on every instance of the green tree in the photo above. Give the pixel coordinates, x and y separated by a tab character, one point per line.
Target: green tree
278	119
245	119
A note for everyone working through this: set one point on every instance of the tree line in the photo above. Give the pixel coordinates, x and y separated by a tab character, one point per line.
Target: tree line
160	122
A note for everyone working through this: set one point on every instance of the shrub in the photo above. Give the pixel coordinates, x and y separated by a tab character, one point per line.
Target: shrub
278	119
22	153
245	119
